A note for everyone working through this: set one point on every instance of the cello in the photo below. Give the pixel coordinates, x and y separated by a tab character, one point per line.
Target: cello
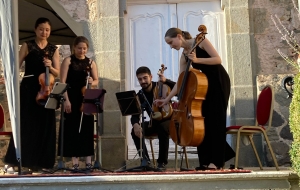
46	80
187	122
161	91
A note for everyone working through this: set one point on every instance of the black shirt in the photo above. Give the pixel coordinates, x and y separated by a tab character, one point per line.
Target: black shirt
149	95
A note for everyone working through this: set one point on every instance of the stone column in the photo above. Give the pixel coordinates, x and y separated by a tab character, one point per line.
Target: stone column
107	33
242	72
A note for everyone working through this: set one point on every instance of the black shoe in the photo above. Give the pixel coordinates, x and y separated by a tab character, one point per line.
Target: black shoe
75	168
47	171
89	166
161	167
204	167
232	167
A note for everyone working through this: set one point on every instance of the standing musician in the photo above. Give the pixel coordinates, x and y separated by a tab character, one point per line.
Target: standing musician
38	125
75	72
214	151
159	127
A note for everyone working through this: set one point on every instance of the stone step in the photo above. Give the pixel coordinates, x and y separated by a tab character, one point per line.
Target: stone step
256	180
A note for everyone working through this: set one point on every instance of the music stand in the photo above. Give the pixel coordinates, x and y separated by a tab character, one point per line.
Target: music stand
55	99
93	103
130	105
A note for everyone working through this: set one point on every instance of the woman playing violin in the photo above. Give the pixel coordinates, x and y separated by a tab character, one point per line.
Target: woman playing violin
38	125
78	70
214	150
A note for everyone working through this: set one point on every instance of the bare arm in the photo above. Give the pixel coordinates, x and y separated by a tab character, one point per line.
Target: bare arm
94	74
64	72
54	67
209	48
23	53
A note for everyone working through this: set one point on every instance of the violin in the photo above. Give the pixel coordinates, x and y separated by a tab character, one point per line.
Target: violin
83	89
87	86
161	91
187	122
46	80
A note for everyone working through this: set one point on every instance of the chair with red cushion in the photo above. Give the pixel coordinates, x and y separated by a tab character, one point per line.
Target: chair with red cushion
264	113
4	134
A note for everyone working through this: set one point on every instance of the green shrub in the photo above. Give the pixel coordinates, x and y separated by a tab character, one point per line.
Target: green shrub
295	125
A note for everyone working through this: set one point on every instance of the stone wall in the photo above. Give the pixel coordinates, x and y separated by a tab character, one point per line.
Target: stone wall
267	38
271	67
279	134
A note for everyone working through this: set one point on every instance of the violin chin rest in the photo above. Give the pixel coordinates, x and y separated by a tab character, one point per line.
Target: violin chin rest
157	116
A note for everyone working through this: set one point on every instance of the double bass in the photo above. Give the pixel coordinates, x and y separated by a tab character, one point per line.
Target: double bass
161	91
187	122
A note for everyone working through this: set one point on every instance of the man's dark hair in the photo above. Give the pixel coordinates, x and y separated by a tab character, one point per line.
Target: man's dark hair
143	69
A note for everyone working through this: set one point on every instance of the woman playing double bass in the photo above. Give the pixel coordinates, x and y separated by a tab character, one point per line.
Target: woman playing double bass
214	151
38	125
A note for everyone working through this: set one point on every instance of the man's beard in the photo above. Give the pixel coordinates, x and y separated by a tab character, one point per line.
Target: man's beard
145	87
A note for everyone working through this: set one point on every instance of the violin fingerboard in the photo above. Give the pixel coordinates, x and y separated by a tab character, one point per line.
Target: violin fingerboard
47	77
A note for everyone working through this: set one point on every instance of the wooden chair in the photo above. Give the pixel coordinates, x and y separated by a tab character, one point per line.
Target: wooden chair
4	134
153	137
264	113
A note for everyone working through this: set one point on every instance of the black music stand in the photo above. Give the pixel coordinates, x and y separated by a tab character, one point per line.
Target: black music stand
93	103
130	105
56	99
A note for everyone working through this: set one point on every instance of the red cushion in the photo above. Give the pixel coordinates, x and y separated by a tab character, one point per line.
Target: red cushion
1	117
263	107
6	133
237	127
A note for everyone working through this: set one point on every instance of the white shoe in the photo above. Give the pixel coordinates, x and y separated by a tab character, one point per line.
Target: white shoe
9	170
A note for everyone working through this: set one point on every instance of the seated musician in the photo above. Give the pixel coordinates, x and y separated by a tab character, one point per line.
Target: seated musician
159	127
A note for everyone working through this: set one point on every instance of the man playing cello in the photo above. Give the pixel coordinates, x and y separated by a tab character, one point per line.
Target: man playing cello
159	127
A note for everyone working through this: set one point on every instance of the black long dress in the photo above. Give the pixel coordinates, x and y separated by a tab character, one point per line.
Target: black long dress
77	144
38	125
214	148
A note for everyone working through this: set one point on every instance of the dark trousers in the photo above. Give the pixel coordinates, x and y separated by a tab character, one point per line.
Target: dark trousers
161	128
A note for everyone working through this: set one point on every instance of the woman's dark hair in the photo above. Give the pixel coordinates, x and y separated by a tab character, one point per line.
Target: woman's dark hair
143	69
42	20
172	33
80	39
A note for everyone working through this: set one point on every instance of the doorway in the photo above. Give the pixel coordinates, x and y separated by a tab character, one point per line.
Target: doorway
145	27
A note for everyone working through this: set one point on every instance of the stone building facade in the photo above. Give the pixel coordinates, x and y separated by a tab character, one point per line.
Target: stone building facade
253	61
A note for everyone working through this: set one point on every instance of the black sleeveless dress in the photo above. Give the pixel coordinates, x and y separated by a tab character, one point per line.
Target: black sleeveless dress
38	125
77	144
214	148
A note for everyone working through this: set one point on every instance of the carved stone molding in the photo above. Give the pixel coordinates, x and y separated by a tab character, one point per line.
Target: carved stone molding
145	2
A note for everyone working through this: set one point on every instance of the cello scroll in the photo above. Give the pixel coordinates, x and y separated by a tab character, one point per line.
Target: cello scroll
161	91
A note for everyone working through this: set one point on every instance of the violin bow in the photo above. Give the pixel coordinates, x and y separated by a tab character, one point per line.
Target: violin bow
86	86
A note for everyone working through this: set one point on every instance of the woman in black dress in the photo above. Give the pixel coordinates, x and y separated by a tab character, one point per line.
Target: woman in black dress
214	151
75	71
38	125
